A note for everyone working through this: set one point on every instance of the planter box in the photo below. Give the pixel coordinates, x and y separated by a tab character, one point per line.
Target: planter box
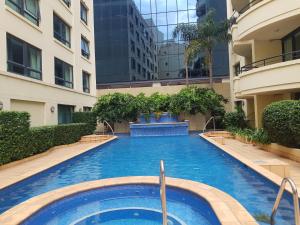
286	152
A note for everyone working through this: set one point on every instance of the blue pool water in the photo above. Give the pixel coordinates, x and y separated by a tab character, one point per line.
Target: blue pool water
124	205
187	157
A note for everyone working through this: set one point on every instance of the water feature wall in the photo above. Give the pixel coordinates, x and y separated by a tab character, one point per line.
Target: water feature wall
162	125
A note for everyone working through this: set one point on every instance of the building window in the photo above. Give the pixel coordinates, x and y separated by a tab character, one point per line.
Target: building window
85	49
63	73
131	28
133	63
61	31
144	72
87	109
296	96
144	58
138	53
27	8
237	69
132	46
65	114
86	82
131	10
291	45
136	21
23	58
83	13
67	2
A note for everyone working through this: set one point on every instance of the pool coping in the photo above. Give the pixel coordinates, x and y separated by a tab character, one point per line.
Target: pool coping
16	179
228	210
260	170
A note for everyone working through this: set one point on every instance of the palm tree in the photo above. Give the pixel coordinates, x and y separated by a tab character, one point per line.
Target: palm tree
200	37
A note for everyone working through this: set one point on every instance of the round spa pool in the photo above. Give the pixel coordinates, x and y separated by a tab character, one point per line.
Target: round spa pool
126	204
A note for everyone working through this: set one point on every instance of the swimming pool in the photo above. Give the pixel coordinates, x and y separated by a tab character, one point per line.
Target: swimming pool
125	204
187	157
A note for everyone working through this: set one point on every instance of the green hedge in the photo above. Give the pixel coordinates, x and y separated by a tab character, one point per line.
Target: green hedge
68	133
86	117
18	140
14	127
235	119
282	122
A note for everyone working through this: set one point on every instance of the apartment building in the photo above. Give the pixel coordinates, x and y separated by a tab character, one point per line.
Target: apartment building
125	47
264	53
47	63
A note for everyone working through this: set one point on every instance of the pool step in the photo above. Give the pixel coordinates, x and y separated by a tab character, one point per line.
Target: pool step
94	138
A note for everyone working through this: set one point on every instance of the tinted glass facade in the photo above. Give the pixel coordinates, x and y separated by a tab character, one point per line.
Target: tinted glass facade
220	54
134	40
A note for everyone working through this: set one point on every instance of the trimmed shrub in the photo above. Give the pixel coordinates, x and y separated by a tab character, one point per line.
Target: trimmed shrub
68	133
235	119
40	139
86	117
18	140
282	122
14	127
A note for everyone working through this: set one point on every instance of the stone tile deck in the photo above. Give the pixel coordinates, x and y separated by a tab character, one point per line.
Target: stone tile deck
253	153
16	171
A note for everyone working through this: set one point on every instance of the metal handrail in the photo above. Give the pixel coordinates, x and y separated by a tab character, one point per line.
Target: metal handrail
248	6
162	183
243	10
208	121
279	197
271	60
111	129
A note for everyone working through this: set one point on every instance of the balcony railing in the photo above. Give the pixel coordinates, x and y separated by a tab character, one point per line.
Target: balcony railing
236	14
272	60
166	82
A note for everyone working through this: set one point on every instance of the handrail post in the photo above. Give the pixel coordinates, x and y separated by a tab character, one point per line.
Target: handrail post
111	129
162	182
208	121
295	200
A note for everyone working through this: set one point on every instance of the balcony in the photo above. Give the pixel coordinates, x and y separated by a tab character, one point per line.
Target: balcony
267	19
267	75
238	5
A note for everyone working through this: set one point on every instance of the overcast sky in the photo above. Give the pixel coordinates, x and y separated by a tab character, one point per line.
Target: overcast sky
164	12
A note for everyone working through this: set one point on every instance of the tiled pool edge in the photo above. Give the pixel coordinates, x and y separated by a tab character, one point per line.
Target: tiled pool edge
260	170
227	209
4	185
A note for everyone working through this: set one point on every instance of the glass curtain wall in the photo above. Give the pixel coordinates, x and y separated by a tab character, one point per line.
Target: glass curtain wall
162	17
134	40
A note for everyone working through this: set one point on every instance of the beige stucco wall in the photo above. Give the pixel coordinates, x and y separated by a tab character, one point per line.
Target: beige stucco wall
36	110
16	87
257	35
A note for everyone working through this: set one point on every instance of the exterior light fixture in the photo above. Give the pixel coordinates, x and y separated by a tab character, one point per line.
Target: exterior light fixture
52	109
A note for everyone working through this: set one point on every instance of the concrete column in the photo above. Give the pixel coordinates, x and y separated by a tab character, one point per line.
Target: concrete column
250	111
260	103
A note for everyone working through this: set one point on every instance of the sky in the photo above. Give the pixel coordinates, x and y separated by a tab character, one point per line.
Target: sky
166	14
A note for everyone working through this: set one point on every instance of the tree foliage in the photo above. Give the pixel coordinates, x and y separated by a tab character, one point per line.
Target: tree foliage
116	107
203	37
119	107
